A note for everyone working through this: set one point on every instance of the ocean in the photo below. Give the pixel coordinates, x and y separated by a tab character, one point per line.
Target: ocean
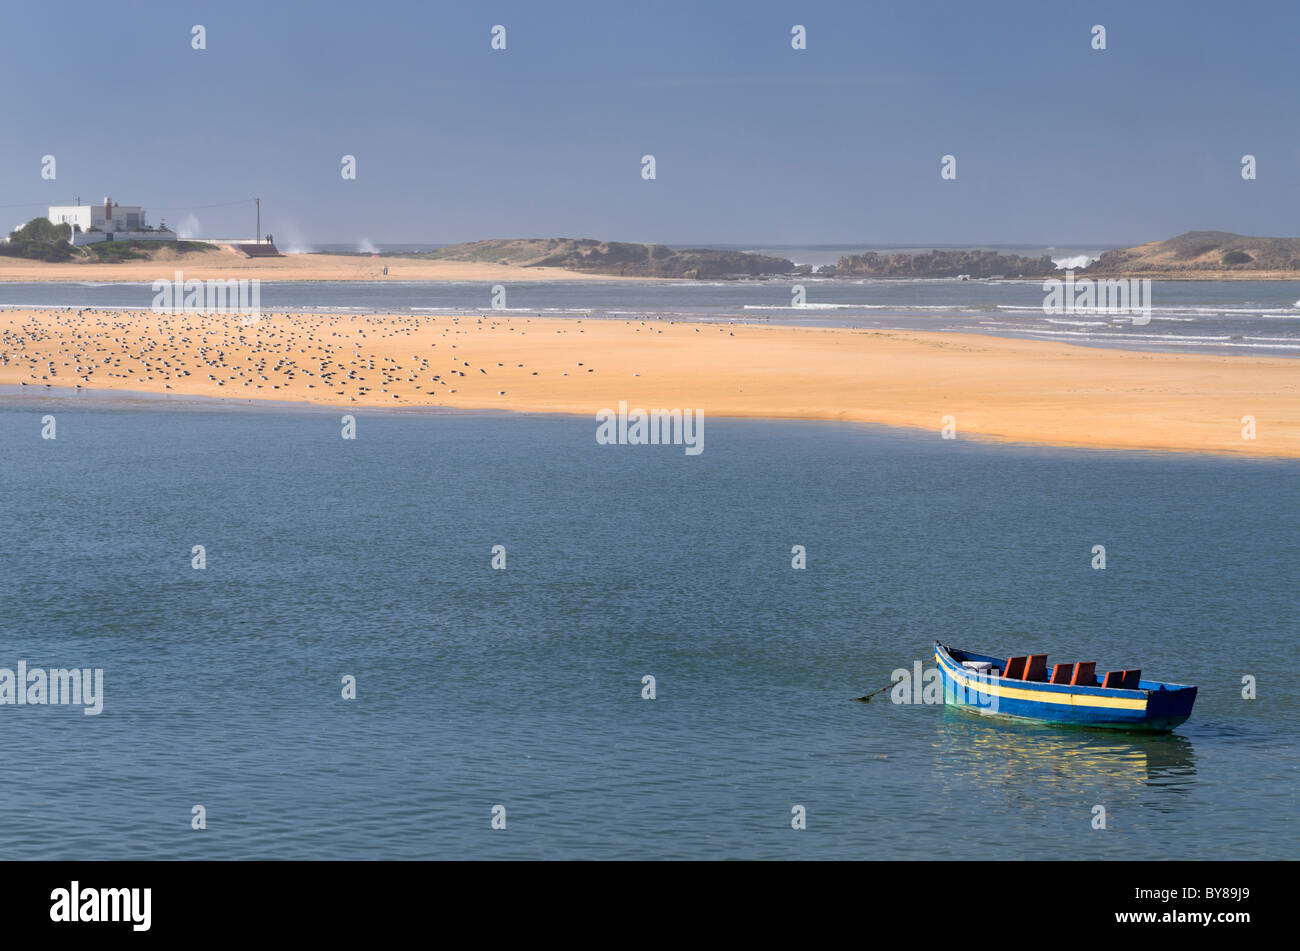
1245	317
522	687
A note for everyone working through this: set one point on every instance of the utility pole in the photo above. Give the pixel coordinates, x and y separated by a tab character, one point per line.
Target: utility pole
258	236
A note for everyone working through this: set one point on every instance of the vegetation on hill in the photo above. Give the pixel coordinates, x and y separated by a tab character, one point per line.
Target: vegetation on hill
1202	251
137	250
614	257
40	240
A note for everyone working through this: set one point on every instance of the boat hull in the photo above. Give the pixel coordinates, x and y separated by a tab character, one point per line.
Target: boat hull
1154	707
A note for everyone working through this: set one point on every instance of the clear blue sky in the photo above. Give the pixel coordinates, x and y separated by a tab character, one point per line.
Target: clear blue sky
754	142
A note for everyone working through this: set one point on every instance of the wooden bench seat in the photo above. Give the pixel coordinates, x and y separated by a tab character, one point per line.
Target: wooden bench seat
1062	673
1036	667
1085	674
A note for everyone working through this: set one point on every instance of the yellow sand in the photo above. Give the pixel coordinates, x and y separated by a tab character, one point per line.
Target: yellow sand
224	264
1020	390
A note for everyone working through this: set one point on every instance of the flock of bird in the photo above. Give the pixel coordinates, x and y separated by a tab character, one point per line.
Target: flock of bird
319	358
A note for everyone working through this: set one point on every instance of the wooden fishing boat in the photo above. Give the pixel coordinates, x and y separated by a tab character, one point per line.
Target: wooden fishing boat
1069	693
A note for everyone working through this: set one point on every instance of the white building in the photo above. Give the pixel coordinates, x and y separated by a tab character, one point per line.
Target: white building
104	222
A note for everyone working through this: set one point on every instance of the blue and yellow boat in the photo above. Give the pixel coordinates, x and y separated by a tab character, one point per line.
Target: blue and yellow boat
1071	693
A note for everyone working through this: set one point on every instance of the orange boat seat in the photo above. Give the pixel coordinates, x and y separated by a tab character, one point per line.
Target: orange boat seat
1036	668
1061	673
1015	669
1085	674
1123	679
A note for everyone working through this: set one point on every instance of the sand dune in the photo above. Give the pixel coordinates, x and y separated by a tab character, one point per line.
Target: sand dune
996	388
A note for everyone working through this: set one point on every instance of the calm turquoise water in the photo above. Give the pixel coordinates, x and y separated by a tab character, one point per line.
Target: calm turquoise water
522	687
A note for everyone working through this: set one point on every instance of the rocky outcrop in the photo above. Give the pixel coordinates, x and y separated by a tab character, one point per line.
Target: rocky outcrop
968	263
622	258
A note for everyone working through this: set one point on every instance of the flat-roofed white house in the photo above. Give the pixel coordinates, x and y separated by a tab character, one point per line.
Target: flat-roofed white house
106	222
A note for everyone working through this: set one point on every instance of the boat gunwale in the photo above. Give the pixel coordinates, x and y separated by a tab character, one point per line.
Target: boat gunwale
1144	689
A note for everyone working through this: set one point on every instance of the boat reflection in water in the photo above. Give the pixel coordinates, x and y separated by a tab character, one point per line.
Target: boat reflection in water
1021	754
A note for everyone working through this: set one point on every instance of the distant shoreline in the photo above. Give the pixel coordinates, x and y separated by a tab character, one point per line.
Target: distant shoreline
224	264
1194	256
349	268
